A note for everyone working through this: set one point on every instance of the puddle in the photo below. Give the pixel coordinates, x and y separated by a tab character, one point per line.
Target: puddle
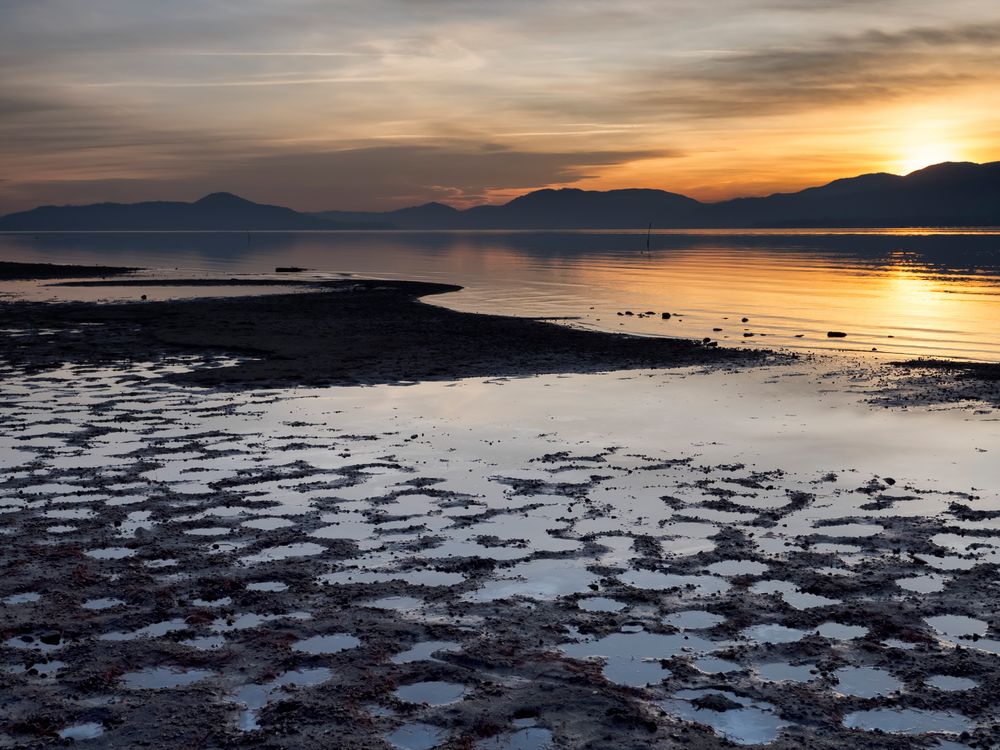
538	579
431	693
773	633
254	697
652	579
838	631
272	586
957	626
928	584
950	684
792	595
749	723
103	603
715	665
111	553
327	644
865	682
155	630
908	721
29	598
81	732
416	736
529	738
635	672
398	603
734	568
600	604
284	552
779	671
694	619
158	678
425	650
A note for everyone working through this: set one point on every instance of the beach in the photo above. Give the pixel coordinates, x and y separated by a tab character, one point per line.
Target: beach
338	516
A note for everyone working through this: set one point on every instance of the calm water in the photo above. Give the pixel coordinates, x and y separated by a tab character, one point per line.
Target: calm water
932	293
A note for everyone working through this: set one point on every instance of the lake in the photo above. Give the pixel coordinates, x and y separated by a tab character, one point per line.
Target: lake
929	293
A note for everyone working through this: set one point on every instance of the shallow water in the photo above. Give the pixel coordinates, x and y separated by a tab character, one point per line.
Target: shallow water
913	292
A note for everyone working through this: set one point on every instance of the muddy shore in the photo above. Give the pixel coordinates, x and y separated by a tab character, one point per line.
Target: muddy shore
342	332
189	559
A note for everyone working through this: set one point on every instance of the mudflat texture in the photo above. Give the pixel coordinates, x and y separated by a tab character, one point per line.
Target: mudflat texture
10	271
343	332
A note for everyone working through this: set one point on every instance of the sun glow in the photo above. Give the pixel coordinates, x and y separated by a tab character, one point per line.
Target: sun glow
927	154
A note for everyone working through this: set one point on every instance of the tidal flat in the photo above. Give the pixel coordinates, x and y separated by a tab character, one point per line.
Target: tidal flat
547	539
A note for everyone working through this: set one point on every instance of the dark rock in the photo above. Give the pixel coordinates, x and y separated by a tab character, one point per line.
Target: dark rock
715	702
836	335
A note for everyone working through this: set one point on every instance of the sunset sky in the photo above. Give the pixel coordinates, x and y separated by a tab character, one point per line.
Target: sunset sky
377	104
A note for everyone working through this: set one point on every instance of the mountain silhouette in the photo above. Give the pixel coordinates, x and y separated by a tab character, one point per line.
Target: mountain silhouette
214	212
949	194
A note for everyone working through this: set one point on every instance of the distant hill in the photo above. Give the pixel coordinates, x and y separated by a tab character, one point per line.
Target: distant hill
949	194
568	208
218	211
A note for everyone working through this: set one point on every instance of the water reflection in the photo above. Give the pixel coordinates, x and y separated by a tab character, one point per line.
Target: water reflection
930	294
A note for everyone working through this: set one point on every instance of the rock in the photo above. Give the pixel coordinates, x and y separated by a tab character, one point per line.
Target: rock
716	330
745	320
51	639
715	702
142	296
629	312
836	335
288	269
747	335
665	316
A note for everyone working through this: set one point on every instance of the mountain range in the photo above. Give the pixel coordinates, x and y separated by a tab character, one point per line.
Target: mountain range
948	194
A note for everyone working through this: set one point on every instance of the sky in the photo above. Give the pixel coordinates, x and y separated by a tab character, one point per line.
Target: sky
378	104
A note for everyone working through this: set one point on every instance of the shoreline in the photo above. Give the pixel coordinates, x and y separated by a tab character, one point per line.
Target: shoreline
338	332
629	559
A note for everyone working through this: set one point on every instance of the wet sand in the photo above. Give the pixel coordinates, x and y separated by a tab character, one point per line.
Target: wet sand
339	332
193	565
10	271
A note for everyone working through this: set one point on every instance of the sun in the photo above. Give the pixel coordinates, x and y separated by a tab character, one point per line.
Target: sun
927	154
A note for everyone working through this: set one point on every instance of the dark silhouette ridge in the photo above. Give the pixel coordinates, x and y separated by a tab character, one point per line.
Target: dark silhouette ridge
214	212
949	194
